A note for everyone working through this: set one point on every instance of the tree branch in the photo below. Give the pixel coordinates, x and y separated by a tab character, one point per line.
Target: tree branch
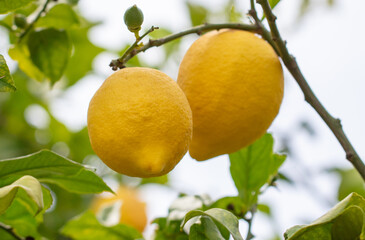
131	52
333	123
30	26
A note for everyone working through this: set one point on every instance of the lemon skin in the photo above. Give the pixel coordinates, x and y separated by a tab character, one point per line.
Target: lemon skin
234	83
140	122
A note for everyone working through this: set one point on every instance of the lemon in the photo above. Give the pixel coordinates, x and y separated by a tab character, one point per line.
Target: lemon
234	83
132	211
140	122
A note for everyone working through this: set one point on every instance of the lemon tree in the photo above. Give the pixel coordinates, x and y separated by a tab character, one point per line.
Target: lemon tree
90	183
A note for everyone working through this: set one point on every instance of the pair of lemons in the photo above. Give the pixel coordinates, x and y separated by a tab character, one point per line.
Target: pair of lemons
228	92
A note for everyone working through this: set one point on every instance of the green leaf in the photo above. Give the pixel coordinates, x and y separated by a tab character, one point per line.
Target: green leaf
6	81
223	217
233	204
169	229
30	185
351	181
20	53
21	215
61	16
11	5
198	13
87	227
206	230
49	167
264	209
50	50
346	220
253	167
273	3
170	47
83	55
163	180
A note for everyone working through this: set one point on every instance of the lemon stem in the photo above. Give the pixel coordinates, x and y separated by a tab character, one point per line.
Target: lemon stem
291	64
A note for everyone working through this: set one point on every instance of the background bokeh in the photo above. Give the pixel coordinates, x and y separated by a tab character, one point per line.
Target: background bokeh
326	37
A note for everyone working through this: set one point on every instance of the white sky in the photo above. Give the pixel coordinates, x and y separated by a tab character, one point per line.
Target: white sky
328	45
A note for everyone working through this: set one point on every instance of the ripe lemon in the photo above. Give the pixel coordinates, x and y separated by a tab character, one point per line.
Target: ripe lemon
140	122
132	210
234	83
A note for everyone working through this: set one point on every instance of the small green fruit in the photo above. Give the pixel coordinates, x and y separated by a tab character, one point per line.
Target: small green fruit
20	21
133	18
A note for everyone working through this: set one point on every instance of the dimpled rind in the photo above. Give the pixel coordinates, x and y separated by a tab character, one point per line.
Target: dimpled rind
234	83
140	122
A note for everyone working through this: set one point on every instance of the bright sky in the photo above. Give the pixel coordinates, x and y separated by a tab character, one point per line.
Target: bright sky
328	45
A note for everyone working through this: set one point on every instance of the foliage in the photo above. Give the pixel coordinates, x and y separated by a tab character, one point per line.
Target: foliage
45	195
6	80
343	221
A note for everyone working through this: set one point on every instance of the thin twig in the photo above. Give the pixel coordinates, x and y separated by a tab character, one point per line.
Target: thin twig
261	28
250	235
120	62
116	63
333	123
30	26
10	231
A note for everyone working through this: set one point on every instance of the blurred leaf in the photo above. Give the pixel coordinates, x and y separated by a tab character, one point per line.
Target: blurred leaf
167	230
87	227
343	221
285	178
31	186
304	7
8	6
79	145
4	235
232	204
61	16
351	181
198	13
69	205
264	209
49	167
206	230
50	51
170	47
224	217
331	2
83	55
21	214
73	2
163	180
28	9
273	3
134	61
21	54
232	13
6	81
253	167
308	127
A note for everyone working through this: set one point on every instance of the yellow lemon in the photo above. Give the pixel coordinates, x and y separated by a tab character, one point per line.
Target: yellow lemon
234	83
132	211
140	122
